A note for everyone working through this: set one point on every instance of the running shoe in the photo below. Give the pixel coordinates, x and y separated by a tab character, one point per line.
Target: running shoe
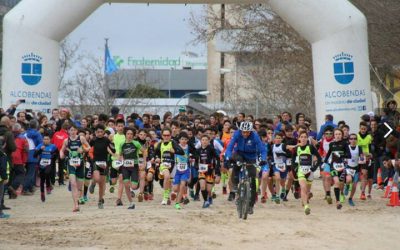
133	194
150	197
91	188
140	197
48	190
196	198
277	200
100	205
186	200
369	197
339	206
206	204
173	196
224	191
169	201
112	189
283	194
81	201
191	193
362	197
69	186
4	216
264	199
178	206
210	200
119	203
310	195
329	199
231	196
76	210
307	209
85	198
346	189
146	196
351	202
342	198
296	193
164	202
132	206
42	197
250	210
214	195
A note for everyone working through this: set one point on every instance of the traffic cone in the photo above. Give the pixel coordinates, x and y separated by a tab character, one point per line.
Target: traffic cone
379	177
388	187
394	198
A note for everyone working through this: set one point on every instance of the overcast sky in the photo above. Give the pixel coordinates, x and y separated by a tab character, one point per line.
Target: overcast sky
139	30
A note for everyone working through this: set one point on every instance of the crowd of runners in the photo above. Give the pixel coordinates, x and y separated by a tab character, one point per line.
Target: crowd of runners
188	155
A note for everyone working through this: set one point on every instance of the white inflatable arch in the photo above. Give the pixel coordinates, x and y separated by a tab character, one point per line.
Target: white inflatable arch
336	29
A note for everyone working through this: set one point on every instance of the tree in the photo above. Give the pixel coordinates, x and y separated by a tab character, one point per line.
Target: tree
145	91
273	69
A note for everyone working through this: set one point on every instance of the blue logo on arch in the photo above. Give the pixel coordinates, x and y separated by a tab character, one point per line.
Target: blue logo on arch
31	69
343	68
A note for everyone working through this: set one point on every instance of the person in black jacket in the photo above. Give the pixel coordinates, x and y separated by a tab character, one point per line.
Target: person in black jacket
7	146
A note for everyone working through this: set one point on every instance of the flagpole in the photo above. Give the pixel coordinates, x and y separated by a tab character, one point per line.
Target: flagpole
106	89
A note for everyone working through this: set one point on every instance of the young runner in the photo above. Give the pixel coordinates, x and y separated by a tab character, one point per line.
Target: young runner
364	140
305	166
128	152
47	153
72	150
337	153
353	167
165	156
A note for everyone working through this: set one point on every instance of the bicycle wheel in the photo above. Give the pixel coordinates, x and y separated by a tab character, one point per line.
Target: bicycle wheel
246	199
239	201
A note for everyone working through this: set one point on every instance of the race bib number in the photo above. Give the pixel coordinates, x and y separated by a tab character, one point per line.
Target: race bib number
182	166
45	162
203	168
305	169
75	162
117	164
87	165
281	167
288	162
338	166
101	164
129	163
350	171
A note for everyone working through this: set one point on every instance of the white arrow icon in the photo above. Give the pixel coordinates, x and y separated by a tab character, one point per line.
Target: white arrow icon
390	129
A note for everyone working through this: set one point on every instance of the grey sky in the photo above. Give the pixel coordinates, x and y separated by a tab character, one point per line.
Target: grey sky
138	30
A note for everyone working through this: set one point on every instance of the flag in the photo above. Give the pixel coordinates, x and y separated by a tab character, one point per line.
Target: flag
110	66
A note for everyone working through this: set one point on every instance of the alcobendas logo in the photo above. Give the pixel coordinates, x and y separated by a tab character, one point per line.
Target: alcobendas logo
343	68
31	69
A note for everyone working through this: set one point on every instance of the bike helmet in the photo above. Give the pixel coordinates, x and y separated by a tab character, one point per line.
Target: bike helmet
246	126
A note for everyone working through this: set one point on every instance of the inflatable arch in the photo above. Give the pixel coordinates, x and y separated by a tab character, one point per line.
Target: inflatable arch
336	29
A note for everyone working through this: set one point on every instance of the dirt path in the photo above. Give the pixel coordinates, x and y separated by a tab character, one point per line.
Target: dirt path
50	225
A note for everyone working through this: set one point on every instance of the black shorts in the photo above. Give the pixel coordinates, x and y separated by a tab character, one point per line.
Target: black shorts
370	169
131	174
115	173
102	171
341	174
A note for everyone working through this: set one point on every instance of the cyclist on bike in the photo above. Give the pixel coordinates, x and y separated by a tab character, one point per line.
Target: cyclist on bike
245	146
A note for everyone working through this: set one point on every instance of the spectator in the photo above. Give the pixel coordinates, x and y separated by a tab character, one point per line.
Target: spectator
19	159
34	138
328	122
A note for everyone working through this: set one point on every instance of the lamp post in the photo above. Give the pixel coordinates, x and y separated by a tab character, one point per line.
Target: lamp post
206	92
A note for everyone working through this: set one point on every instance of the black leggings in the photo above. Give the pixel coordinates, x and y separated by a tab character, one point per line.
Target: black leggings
44	177
252	171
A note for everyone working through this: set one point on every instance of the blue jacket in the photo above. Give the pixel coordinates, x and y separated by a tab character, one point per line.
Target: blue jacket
248	148
322	128
34	139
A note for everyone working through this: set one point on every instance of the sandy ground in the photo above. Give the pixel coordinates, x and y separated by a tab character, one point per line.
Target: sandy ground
36	225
